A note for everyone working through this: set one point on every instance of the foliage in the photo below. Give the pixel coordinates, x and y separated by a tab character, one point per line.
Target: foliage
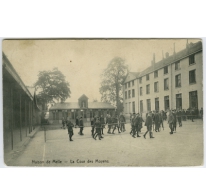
112	81
51	86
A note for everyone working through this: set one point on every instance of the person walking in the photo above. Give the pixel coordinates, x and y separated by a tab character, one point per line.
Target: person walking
116	124
174	121
77	122
98	129
93	120
156	121
133	124
138	121
148	123
70	126
170	121
63	123
81	126
161	117
179	117
109	122
122	122
201	113
102	125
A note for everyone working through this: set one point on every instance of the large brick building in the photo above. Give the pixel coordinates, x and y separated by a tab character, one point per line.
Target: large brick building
174	82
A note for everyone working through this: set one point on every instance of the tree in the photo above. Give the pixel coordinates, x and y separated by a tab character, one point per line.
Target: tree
112	81
51	86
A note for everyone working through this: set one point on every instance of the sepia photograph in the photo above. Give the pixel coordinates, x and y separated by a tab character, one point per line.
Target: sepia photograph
103	102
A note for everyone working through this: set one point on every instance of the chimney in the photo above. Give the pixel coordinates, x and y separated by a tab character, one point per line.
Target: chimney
154	57
187	45
163	55
166	54
174	49
153	61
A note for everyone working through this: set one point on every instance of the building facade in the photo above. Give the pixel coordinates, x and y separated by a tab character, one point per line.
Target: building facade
82	108
174	82
21	115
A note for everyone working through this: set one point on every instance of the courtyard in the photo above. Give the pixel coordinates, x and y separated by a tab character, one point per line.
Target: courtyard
183	148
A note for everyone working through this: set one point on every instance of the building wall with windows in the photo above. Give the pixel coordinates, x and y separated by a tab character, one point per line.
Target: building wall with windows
130	93
174	82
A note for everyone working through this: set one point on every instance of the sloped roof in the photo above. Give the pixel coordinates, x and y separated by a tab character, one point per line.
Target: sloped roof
100	105
31	90
10	69
175	57
75	105
83	96
136	74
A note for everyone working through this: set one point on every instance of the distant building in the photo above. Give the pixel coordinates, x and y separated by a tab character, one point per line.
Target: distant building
82	108
174	82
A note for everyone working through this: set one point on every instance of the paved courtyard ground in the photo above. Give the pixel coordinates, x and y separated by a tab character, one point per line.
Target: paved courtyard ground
183	148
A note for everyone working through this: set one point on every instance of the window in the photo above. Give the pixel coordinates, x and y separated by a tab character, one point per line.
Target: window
140	90
133	93
193	99
140	80
126	108
141	106
133	83
177	65
192	59
129	94
156	87
148	89
155	74
125	85
165	69
192	77
128	84
178	101
166	84
178	80
125	94
133	107
167	103
147	77
157	104
148	105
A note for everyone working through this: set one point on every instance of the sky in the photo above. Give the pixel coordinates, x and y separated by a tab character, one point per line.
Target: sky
83	61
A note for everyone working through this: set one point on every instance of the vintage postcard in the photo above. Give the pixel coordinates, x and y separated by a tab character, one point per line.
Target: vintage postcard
103	102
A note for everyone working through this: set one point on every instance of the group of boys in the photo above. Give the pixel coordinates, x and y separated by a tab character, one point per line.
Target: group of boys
154	119
98	124
136	124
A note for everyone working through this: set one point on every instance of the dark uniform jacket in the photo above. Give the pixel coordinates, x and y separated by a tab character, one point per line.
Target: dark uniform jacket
97	126
138	121
174	115
70	126
133	121
81	122
122	119
102	120
109	120
156	118
148	122
179	114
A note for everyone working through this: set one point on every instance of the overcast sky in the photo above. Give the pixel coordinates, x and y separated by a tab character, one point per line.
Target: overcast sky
82	61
